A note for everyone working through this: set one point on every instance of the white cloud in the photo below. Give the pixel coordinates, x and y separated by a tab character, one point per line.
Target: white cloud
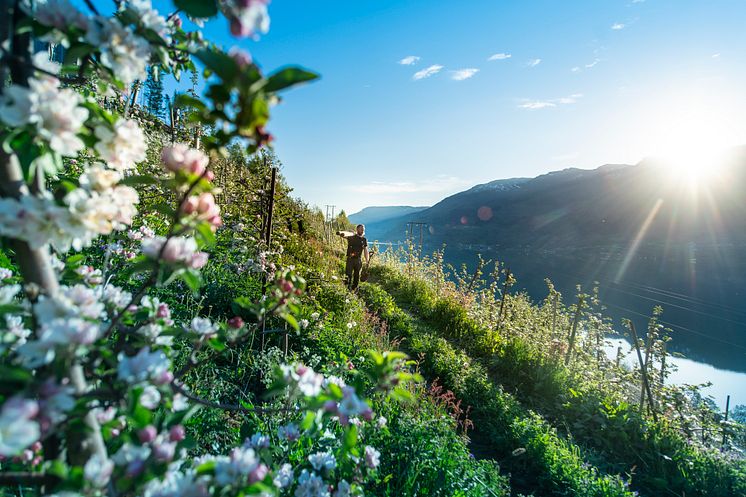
545	104
716	55
569	100
427	72
409	60
575	69
617	26
638	1
596	61
438	184
538	104
533	62
463	74
499	56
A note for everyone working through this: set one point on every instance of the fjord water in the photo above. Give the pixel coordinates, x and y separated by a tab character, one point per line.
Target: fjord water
689	372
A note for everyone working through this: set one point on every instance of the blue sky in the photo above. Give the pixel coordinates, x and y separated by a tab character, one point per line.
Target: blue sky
586	83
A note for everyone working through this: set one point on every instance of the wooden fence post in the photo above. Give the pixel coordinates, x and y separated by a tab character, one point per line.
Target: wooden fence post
574	329
645	383
727	408
502	298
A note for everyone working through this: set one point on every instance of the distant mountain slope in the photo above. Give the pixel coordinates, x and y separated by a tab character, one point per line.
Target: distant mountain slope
383	213
648	235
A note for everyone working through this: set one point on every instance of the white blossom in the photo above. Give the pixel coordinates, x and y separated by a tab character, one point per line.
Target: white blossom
5	273
129	453
150	397
122	51
372	457
322	460
17	429
177	484
258	441
283	476
203	327
122	147
60	14
311	485
179	249
143	366
8	293
241	462
151	19
97	470
343	489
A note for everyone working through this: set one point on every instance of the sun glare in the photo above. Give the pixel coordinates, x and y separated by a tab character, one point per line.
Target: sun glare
690	133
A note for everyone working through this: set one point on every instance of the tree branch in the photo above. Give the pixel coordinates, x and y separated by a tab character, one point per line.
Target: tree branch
228	407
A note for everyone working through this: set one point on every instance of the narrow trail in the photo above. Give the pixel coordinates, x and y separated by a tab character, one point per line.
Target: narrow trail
528	449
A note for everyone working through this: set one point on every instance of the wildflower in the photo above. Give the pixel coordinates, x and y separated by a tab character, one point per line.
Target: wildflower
304	323
381	422
258	441
5	273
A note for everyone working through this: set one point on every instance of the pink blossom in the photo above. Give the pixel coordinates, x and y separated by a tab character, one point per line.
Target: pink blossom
180	157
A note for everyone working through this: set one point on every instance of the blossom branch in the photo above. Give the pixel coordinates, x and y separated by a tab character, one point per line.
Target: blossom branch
227	407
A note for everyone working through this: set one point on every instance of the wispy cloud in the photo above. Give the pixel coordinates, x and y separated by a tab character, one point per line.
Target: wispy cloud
545	104
438	184
427	72
537	104
499	56
716	55
586	66
618	26
462	74
409	60
591	64
638	1
533	62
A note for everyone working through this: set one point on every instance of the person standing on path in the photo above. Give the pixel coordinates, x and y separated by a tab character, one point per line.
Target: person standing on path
357	247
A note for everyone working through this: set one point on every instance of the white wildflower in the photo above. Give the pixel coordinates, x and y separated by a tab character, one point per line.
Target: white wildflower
322	461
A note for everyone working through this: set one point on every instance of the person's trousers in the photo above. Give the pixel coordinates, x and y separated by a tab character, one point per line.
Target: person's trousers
352	272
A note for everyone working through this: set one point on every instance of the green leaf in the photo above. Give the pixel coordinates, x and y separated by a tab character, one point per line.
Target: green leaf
350	439
308	420
192	279
216	344
220	63
287	77
186	100
206	236
198	8
291	321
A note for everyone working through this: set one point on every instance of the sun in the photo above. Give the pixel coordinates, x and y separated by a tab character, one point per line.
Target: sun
689	131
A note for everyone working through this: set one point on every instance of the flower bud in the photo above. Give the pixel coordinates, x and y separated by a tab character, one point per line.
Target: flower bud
147	434
236	322
177	433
